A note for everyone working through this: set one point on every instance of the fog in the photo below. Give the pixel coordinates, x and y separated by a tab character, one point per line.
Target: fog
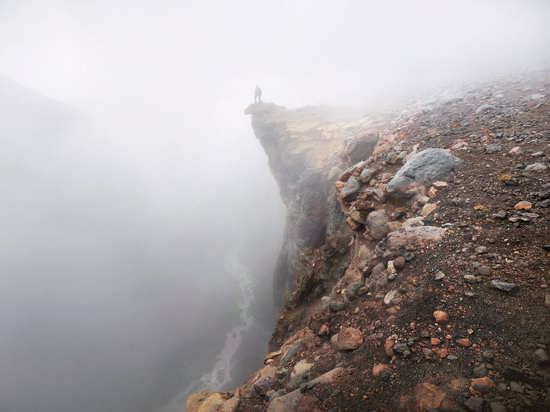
136	203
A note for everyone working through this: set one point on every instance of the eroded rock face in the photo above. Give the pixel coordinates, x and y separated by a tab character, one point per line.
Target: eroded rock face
307	150
424	167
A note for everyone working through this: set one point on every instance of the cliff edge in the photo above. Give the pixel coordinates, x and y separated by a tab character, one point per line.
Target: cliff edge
307	149
415	262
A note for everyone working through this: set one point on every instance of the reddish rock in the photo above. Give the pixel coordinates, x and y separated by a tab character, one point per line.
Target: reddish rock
379	369
442	353
435	341
347	339
388	347
399	262
482	385
307	404
392	311
523	205
464	342
427	396
323	330
353	224
440	316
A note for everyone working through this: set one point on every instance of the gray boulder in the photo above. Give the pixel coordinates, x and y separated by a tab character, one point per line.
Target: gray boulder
376	224
263	385
367	174
360	148
424	167
351	189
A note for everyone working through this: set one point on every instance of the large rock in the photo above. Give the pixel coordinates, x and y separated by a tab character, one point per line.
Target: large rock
367	174
424	167
390	296
365	257
412	238
290	352
230	405
376	224
327	377
425	397
351	189
248	390
347	339
299	373
504	286
482	385
263	385
295	401
360	148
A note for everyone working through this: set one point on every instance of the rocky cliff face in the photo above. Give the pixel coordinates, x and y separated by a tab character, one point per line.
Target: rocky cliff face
415	260
307	149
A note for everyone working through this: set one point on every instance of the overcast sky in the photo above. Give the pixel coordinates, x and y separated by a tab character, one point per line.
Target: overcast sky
299	51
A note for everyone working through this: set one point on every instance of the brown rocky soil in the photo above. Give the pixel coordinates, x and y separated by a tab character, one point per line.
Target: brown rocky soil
457	323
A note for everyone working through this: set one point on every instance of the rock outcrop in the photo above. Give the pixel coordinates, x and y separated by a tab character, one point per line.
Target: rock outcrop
416	256
307	150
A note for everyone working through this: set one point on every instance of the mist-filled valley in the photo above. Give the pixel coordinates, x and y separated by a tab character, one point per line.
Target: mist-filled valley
111	293
140	223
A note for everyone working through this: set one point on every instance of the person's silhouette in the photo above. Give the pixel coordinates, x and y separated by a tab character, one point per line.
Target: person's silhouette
257	95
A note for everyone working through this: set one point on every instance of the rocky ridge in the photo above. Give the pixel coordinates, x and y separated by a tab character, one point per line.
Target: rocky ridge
416	257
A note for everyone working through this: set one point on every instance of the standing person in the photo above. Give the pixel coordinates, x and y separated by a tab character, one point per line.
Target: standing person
257	95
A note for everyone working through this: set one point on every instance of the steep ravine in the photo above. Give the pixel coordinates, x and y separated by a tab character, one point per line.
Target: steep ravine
415	261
